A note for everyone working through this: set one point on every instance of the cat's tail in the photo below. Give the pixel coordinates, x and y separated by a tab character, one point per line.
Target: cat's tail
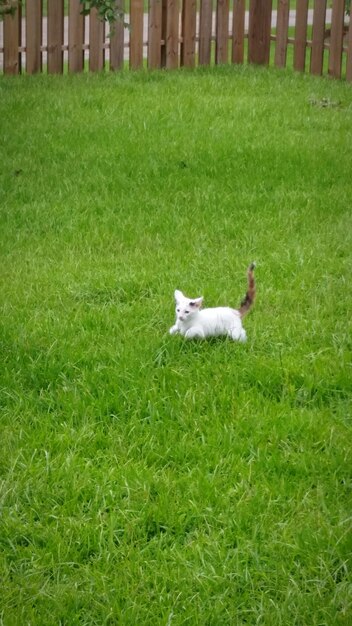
250	294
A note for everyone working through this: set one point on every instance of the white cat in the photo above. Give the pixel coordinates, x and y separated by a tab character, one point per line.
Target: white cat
195	323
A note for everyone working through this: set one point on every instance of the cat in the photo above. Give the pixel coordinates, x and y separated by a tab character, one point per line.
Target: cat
193	322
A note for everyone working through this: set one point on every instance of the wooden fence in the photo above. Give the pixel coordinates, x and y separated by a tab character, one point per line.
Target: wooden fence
175	33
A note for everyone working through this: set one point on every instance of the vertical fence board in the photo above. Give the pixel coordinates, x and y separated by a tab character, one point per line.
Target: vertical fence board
222	31
172	33
96	41
316	60
239	9
283	12
299	55
205	28
188	45
33	36
154	33
55	36
336	39
163	32
259	31
117	40
136	34
349	53
75	37
12	41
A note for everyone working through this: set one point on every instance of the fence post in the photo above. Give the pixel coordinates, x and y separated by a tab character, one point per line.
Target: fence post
259	31
188	45
12	42
75	37
317	56
238	31
172	33
96	41
154	33
336	38
349	54
117	40
136	34
33	36
222	31
205	28
283	14
55	36
299	58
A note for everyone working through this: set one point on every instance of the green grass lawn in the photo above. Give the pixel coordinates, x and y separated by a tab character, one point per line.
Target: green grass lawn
147	480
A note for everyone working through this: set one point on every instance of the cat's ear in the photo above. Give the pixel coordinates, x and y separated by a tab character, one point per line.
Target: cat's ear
178	295
196	303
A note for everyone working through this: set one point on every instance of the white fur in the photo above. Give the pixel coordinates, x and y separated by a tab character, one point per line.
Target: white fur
195	323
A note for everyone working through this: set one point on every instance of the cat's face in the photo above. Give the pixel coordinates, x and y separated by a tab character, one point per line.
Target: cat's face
186	307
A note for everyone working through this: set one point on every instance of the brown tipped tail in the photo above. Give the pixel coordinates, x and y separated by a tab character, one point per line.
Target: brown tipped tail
250	295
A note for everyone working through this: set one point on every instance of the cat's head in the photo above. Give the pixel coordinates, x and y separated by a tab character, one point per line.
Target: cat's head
186	307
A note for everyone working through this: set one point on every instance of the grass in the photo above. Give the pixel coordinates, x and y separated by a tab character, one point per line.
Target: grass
147	480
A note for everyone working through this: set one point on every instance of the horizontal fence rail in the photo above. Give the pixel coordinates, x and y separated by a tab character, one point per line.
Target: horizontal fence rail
54	36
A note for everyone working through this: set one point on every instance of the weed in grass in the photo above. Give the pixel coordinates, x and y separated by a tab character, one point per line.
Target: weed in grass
146	479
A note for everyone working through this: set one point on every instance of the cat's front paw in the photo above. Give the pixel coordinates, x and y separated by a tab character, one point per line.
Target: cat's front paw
173	330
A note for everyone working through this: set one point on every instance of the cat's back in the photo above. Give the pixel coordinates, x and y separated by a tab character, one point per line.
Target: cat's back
224	313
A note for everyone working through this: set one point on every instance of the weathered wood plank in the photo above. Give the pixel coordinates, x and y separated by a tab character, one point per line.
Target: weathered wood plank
34	33
154	33
283	11
259	31
12	41
172	34
317	55
349	53
75	37
336	38
136	34
300	45
222	32
239	8
55	36
205	28
117	40
188	45
96	41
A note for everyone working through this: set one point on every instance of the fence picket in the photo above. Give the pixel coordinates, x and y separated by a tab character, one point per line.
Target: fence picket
12	41
136	34
317	55
55	36
283	12
222	31
172	33
336	38
259	31
300	45
75	37
205	30
349	53
33	36
154	33
239	9
188	45
117	40
96	40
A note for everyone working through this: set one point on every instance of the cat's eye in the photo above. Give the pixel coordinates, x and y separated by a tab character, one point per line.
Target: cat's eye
178	310
186	312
